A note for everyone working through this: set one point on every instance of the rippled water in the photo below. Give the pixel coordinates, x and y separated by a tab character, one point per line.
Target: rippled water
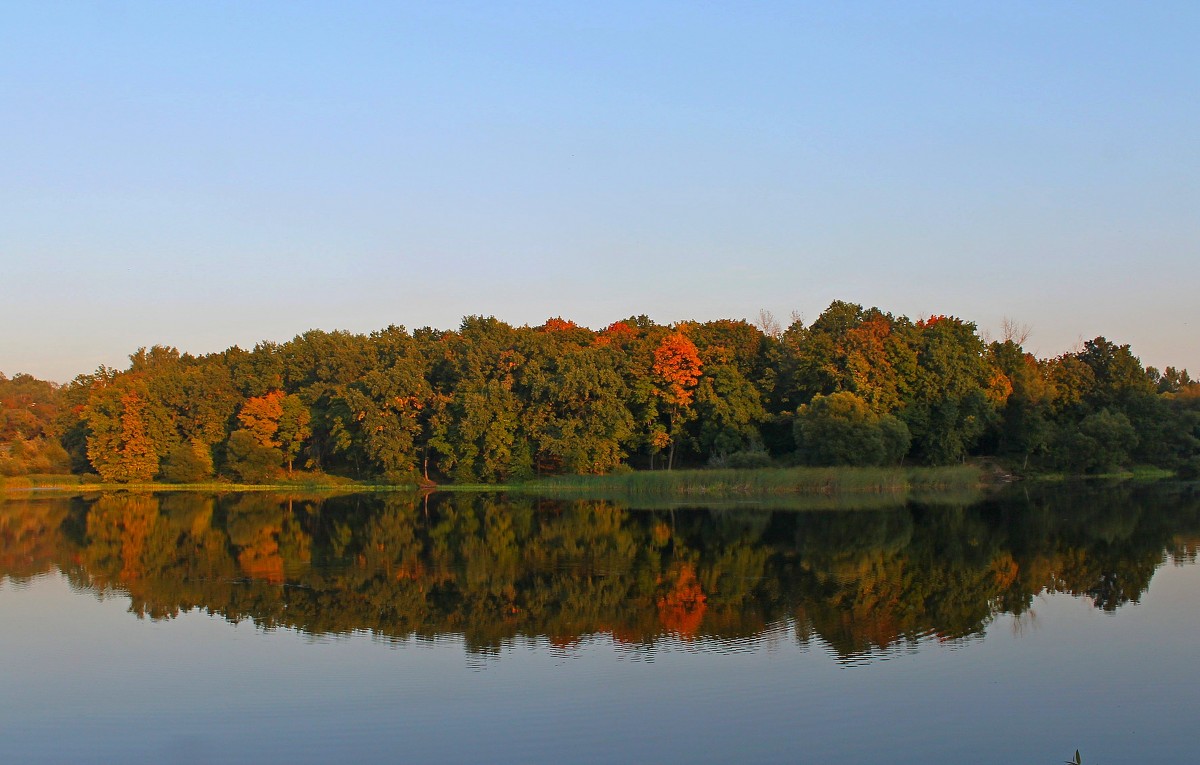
252	628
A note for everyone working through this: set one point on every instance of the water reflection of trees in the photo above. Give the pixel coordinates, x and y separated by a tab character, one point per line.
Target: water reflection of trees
493	569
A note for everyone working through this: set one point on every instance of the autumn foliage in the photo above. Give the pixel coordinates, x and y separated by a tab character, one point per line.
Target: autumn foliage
491	402
681	609
931	320
677	368
260	416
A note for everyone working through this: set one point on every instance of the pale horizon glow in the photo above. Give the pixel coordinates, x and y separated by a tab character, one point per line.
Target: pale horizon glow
209	175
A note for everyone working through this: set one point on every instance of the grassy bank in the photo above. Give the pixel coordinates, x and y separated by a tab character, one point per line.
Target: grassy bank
763	482
757	485
772	502
73	484
733	483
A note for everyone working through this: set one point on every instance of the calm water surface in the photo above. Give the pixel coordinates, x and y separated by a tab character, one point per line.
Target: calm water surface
260	629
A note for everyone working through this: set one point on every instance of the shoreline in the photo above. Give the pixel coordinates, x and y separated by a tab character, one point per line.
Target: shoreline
699	484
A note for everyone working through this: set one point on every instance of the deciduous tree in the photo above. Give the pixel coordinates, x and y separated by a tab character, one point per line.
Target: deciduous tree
677	368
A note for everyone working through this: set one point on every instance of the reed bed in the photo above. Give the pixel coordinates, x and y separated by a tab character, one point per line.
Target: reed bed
786	486
764	482
71	485
765	502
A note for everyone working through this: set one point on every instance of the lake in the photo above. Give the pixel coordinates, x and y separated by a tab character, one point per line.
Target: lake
263	628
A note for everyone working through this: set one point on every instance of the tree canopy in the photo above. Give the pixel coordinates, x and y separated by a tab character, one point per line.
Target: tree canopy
491	402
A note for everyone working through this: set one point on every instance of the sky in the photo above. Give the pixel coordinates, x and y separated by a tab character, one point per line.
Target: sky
203	175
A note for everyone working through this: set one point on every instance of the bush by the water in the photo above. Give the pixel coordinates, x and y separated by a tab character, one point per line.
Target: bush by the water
841	429
188	463
1100	443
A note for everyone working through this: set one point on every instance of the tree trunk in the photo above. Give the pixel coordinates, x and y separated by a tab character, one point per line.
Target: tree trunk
671	434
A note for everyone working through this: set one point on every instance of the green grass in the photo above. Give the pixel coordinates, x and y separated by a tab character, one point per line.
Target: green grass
1150	474
761	482
73	484
707	484
775	486
769	502
40	481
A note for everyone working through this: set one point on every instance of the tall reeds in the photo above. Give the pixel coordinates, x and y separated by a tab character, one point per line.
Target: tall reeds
764	482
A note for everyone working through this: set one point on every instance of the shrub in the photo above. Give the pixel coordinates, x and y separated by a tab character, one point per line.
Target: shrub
749	459
187	463
840	429
248	460
1190	469
1100	443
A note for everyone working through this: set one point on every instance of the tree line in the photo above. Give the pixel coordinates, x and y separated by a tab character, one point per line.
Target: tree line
490	402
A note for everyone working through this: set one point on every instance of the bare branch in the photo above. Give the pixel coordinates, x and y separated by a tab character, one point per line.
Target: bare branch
768	323
1015	332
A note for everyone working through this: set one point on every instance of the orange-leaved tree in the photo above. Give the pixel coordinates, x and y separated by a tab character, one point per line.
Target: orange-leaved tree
278	421
676	373
260	415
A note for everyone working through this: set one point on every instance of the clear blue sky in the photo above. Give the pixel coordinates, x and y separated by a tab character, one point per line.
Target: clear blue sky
206	174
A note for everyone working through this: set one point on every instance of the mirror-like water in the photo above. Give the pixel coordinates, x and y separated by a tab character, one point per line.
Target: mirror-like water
472	628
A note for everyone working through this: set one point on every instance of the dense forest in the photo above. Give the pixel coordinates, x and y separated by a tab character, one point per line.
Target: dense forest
495	403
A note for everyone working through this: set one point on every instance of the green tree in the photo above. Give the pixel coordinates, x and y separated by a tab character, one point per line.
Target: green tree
631	343
841	429
1023	429
475	439
953	396
1100	442
295	428
576	413
729	404
249	460
1118	374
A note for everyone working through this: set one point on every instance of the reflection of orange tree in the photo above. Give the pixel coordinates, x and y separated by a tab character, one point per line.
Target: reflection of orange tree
263	530
117	528
259	556
163	553
681	609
